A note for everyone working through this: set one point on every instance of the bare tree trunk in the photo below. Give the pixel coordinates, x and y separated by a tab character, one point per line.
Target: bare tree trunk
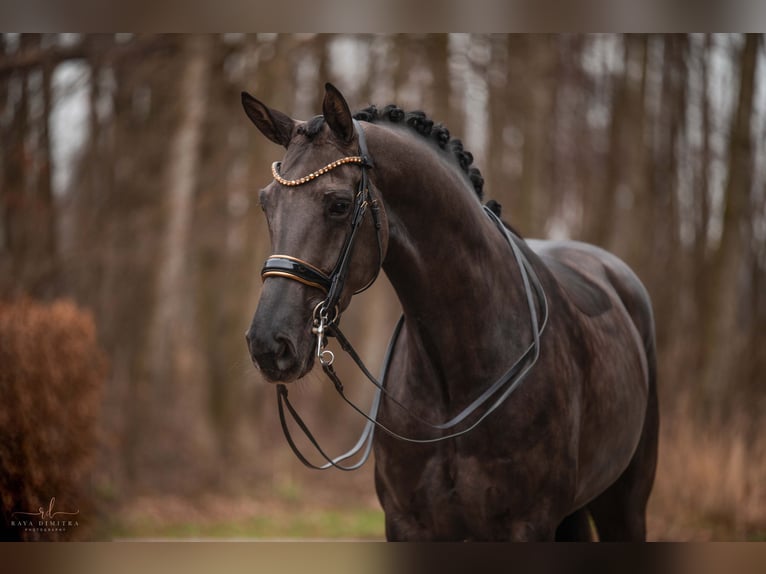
14	189
319	46
116	229
666	253
701	258
723	341
46	228
601	225
436	53
751	371
176	365
634	212
541	54
5	197
496	171
27	196
172	296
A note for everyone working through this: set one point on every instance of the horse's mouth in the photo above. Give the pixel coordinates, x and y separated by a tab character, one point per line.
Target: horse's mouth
283	369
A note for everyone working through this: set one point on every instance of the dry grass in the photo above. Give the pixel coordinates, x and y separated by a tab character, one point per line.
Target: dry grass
243	517
710	485
711	480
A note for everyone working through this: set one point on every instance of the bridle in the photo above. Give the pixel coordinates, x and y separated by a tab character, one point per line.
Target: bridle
326	316
326	312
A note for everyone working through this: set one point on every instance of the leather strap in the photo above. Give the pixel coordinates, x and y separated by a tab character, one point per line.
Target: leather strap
509	381
294	268
366	157
363	444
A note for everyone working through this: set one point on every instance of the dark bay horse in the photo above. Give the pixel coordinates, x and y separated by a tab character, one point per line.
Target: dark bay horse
576	439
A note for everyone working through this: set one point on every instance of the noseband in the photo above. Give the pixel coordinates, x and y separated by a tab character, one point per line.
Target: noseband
332	284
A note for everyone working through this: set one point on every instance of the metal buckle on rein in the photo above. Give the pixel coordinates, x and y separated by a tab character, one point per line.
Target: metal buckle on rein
321	321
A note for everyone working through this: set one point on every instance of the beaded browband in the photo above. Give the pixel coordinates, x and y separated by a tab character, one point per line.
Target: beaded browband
305	179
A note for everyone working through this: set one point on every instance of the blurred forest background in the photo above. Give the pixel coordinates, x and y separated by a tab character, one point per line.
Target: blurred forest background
128	185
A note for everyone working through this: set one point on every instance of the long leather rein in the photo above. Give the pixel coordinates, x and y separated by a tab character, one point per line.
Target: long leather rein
326	318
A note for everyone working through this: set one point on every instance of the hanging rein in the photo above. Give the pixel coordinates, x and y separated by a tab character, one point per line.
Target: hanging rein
326	317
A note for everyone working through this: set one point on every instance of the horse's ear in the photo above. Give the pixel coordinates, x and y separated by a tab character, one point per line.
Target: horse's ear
275	125
337	114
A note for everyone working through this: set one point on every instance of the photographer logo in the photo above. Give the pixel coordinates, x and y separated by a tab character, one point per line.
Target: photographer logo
45	519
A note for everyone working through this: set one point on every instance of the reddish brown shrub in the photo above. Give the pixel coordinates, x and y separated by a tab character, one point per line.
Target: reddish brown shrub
51	377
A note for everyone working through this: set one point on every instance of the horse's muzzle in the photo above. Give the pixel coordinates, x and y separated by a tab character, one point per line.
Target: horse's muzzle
274	355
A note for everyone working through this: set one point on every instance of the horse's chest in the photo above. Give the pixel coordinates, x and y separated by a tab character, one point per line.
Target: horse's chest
418	488
442	496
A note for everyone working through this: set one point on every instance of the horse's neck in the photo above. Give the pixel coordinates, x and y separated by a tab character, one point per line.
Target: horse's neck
453	272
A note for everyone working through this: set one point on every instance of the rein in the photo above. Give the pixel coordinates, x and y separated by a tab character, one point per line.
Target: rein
326	316
512	378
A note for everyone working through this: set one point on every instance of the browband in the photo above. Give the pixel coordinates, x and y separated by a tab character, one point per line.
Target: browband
363	159
313	175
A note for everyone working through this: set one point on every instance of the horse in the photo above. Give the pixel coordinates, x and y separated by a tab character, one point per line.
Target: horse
568	325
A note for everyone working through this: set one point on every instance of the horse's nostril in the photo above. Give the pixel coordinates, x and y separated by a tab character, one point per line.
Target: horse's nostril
273	354
283	351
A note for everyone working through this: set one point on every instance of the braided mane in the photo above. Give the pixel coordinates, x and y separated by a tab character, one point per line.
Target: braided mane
421	124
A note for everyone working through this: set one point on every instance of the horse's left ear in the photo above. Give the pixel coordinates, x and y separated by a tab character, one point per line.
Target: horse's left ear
337	114
275	125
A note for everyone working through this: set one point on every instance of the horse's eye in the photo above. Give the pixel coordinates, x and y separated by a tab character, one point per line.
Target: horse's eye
339	207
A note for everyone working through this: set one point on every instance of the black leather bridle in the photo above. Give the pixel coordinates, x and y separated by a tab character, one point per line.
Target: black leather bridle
326	317
326	313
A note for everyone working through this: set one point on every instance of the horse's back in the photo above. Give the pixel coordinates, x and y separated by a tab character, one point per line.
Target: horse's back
594	279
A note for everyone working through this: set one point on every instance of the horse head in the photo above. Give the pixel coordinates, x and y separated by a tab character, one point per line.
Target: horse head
327	228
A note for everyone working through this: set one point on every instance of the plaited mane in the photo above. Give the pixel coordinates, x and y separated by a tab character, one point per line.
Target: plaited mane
421	124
